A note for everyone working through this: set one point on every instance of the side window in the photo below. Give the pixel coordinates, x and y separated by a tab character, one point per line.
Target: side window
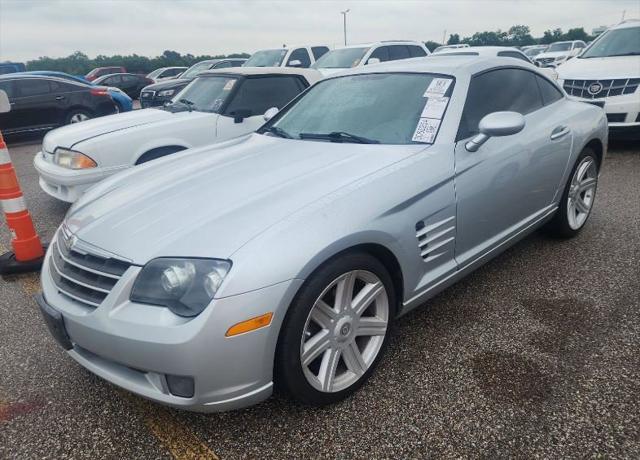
416	51
129	78
222	65
548	91
513	54
498	90
260	94
7	87
31	87
319	51
381	53
579	45
300	55
398	52
112	80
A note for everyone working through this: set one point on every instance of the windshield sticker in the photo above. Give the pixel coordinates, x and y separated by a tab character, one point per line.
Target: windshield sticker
438	87
217	104
426	130
228	85
435	107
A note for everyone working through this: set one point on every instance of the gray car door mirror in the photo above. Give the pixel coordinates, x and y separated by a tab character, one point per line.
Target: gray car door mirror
240	114
496	124
5	105
270	113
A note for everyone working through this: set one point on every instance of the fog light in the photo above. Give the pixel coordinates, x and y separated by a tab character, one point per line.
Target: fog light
180	386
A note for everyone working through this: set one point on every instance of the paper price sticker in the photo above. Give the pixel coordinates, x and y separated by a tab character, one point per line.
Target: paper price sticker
437	87
435	107
228	85
426	130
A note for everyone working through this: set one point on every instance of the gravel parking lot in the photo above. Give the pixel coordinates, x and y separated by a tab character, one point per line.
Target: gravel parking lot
534	355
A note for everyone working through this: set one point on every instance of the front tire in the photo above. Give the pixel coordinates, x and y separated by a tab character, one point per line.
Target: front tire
578	197
336	330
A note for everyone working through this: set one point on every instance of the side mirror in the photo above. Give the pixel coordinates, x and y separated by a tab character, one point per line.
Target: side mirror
5	105
270	113
496	124
240	114
537	63
373	61
295	63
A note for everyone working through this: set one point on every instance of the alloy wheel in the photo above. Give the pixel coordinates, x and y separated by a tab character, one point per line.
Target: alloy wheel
344	331
78	117
582	192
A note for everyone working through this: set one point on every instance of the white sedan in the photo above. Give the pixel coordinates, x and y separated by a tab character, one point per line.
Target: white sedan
219	105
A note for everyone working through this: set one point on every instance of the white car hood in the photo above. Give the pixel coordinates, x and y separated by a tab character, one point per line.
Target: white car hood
68	136
600	68
209	201
327	72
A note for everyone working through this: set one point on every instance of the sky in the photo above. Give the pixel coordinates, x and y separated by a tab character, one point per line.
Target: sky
55	28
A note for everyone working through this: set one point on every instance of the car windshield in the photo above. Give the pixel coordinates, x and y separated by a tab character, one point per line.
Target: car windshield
204	94
533	52
195	69
266	58
381	108
155	73
560	46
619	42
340	59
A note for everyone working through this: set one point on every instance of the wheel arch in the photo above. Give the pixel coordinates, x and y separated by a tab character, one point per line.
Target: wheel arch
158	152
598	148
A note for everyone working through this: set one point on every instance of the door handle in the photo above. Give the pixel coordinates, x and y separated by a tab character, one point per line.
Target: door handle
59	98
559	132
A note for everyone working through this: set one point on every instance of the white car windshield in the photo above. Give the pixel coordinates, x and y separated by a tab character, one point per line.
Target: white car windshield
266	58
560	46
618	42
204	94
341	59
195	69
385	108
155	73
534	51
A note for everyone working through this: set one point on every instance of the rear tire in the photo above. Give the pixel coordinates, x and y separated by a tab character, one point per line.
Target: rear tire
578	197
78	115
329	347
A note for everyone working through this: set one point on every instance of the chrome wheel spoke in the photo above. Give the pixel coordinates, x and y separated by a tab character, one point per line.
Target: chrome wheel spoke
323	314
353	359
371	326
587	184
581	206
364	298
582	192
328	368
344	291
316	345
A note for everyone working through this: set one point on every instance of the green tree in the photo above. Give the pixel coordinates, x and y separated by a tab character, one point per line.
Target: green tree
454	39
520	35
431	45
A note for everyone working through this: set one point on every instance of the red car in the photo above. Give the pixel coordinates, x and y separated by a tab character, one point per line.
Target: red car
100	71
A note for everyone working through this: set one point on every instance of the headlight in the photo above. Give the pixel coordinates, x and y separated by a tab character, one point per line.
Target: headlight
166	93
72	160
185	286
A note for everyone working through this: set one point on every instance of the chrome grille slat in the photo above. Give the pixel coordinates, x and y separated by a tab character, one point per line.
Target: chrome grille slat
616	87
69	261
76	281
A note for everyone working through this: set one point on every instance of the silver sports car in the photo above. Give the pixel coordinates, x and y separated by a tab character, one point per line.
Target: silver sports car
282	258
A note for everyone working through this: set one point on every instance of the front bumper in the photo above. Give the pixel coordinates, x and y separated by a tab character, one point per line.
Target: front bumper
66	184
136	346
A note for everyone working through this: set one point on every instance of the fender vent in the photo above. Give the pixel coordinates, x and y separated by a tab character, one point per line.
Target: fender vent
434	238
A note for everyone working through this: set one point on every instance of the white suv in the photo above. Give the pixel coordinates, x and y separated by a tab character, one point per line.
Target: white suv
292	56
559	52
370	53
608	73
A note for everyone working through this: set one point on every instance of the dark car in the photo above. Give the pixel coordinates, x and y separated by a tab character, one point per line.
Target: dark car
160	93
130	83
12	67
39	103
100	71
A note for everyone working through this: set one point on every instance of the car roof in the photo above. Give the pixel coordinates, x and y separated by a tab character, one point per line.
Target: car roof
446	65
311	75
627	24
32	76
481	50
382	42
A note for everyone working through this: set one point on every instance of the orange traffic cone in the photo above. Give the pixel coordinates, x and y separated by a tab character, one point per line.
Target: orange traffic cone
28	252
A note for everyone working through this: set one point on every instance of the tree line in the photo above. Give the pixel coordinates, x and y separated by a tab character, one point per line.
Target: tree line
79	63
518	35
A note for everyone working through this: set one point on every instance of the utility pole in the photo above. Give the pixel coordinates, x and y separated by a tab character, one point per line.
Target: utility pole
344	22
444	37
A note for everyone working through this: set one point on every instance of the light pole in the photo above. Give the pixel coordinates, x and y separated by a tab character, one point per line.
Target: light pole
344	21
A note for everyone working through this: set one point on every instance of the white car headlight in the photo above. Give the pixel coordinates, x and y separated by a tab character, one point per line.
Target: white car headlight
185	286
166	92
72	160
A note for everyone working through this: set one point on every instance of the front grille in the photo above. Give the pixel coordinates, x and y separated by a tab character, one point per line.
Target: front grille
545	61
434	238
83	277
596	89
616	117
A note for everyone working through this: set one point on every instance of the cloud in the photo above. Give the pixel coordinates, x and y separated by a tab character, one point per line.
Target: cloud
29	29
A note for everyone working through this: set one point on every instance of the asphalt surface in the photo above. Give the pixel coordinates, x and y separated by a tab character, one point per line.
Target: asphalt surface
536	354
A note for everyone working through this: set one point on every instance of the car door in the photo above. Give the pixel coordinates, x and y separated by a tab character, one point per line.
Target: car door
397	52
510	181
7	119
381	53
34	105
253	98
131	84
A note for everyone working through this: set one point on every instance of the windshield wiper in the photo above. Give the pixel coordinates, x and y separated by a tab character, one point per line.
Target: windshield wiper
188	103
339	136
278	132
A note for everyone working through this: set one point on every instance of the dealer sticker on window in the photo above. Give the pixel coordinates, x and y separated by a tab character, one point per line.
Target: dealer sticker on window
228	85
426	130
435	107
437	87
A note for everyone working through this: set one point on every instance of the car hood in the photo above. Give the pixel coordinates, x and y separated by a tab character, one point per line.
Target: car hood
329	71
168	84
600	68
68	136
210	201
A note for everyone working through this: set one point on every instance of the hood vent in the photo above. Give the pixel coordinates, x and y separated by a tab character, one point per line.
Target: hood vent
434	238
